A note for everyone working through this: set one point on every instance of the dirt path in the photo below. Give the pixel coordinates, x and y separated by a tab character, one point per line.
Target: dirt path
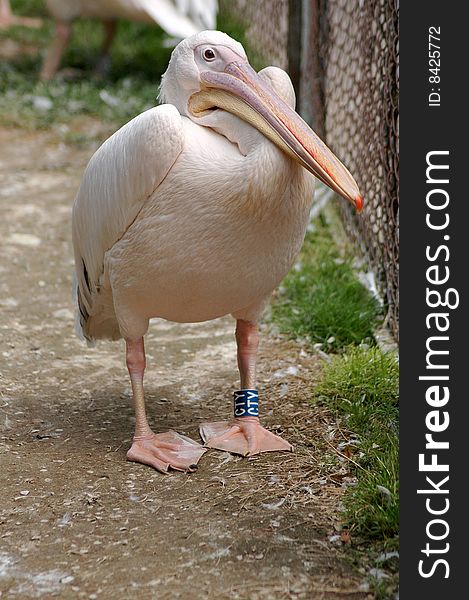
76	519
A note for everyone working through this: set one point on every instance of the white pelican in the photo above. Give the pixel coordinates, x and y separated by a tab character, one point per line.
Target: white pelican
179	18
197	209
9	19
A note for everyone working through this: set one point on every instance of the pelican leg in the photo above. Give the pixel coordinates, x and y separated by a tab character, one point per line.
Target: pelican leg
158	450
63	32
244	434
8	19
103	64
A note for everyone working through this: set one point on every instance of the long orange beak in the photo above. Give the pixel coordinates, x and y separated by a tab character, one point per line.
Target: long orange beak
266	111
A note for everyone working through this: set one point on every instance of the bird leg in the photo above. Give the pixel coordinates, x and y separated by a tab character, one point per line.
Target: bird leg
244	434
158	450
63	32
8	19
103	64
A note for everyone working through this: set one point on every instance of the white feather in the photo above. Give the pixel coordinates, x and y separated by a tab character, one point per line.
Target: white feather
119	179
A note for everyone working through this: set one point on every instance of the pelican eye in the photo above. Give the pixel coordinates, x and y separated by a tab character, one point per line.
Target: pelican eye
208	54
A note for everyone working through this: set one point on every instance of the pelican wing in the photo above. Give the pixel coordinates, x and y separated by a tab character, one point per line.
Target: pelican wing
120	177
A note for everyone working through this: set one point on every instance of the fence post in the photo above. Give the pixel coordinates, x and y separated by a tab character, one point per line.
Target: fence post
294	44
312	101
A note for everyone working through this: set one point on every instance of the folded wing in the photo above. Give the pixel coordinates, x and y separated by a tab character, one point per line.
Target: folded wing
120	177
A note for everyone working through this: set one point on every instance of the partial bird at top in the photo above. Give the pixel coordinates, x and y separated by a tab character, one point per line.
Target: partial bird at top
179	18
197	209
9	19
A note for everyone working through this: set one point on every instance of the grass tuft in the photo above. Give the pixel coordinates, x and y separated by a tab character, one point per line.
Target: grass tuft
362	386
321	298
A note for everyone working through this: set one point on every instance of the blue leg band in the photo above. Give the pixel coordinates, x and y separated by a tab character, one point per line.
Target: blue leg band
246	403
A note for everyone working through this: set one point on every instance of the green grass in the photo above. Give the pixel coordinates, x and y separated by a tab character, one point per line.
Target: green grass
362	386
321	298
138	62
139	58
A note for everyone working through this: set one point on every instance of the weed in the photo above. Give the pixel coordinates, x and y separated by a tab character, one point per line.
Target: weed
321	298
362	385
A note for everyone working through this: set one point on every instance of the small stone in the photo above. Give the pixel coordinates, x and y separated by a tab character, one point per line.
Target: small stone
24	239
42	103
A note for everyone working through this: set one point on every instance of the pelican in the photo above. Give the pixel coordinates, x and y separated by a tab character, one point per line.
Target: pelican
179	18
9	19
193	210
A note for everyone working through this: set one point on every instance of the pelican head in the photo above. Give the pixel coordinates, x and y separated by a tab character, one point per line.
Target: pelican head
210	70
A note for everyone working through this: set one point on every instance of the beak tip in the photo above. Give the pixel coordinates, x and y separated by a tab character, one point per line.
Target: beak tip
359	203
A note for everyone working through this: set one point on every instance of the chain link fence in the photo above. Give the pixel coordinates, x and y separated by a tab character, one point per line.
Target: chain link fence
266	24
343	56
359	49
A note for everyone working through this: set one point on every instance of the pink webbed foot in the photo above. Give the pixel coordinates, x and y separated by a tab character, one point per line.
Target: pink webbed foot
244	436
164	450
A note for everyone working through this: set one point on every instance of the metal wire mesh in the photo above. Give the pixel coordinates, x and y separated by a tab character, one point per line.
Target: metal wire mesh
360	61
344	58
266	24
